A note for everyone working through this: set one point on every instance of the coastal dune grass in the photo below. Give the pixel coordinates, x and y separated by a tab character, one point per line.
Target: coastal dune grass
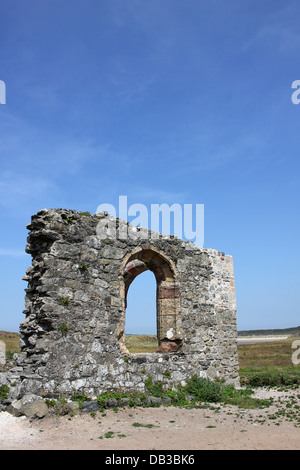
11	341
141	343
268	363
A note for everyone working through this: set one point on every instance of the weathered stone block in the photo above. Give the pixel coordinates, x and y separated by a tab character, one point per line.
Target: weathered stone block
29	405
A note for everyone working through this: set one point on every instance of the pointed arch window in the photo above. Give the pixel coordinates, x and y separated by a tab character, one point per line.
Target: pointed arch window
169	331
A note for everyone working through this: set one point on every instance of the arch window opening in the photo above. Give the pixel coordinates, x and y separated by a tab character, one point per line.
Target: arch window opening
166	300
140	319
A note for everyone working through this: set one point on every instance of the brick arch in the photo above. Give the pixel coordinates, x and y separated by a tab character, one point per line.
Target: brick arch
144	258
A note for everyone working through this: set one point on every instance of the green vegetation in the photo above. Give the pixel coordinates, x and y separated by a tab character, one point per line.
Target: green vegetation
140	425
59	406
156	389
204	389
4	391
83	267
111	434
64	300
86	213
197	393
80	398
242	398
268	364
63	328
273	377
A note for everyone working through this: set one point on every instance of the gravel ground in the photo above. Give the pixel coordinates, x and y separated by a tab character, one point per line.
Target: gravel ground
163	428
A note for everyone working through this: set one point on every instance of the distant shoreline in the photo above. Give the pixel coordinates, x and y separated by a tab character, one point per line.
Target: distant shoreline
259	339
270	332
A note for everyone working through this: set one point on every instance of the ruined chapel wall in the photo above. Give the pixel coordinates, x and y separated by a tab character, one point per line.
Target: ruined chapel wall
75	308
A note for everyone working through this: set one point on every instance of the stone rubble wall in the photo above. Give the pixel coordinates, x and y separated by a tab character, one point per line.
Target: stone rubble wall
73	332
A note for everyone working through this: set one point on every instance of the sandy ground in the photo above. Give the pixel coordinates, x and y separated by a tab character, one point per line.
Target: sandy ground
259	339
164	428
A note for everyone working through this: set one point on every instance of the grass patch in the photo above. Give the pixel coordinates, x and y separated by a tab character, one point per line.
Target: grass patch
141	343
242	398
86	213
266	354
64	300
272	377
268	364
204	389
112	434
80	398
140	425
197	393
4	391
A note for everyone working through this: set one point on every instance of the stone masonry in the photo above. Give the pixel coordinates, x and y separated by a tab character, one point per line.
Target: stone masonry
75	306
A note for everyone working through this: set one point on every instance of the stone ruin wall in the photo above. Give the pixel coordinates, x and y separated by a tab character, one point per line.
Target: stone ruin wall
75	307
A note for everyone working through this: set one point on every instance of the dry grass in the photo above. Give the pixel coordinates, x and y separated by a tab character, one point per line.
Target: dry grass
141	343
268	354
11	341
268	363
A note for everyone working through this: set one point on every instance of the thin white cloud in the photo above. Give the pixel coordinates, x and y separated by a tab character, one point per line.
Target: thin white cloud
15	253
15	190
158	196
279	30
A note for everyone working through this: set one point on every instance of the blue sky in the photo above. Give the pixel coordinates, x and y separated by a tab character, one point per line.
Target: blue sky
175	101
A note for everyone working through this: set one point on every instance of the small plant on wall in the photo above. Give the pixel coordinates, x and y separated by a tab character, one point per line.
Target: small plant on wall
64	300
63	328
83	267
